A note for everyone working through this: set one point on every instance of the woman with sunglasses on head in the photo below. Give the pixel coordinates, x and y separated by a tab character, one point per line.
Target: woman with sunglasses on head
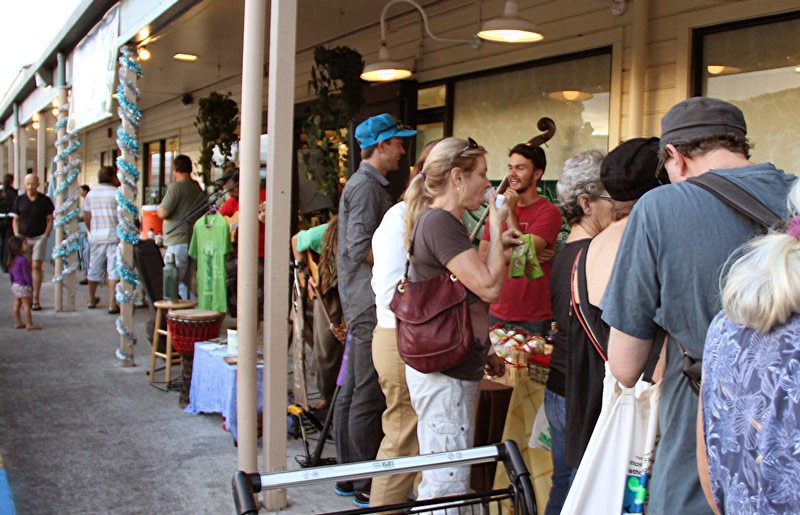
452	181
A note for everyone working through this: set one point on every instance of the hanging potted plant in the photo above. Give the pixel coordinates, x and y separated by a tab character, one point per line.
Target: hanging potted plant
216	123
336	82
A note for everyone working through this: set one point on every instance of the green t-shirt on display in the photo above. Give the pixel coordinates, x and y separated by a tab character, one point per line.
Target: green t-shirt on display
181	197
210	247
311	239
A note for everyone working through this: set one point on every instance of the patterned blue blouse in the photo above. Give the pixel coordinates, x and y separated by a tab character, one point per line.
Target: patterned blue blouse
751	416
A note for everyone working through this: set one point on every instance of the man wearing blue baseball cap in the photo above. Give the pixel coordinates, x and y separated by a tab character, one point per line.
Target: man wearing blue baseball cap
365	199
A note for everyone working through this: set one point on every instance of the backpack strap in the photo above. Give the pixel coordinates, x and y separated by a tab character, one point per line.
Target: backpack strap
582	301
737	198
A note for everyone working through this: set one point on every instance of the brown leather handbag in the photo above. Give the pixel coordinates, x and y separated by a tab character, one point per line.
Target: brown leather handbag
434	330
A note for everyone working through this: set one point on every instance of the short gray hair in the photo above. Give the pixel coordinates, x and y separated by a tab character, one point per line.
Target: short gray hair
760	290
580	176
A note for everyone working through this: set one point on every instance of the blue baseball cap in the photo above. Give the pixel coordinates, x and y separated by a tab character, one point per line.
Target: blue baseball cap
379	128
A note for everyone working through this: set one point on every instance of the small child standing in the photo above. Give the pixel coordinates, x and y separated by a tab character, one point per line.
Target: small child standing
19	269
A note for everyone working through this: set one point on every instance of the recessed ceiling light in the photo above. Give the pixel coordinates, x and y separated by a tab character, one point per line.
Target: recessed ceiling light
185	57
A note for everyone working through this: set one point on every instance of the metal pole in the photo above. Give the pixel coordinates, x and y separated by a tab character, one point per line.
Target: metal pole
255	13
280	121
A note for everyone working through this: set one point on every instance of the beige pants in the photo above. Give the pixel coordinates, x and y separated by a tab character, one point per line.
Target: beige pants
399	420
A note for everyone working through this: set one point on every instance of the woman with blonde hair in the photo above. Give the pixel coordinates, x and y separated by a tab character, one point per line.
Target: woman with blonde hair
452	181
399	421
748	422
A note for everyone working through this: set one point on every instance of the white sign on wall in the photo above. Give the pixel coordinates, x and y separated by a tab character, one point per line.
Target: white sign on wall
94	63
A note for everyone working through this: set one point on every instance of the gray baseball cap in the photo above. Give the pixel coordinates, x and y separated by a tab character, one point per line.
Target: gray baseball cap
698	117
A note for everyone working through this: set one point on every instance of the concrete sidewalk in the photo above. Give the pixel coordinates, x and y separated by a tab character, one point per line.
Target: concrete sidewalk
80	434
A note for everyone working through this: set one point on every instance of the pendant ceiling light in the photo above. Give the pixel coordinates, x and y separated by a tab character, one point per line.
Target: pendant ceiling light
385	69
510	28
570	95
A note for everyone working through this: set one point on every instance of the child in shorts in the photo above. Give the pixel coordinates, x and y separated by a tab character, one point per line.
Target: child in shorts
19	269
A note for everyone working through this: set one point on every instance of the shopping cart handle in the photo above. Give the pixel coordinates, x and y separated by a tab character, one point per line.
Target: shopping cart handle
244	485
518	473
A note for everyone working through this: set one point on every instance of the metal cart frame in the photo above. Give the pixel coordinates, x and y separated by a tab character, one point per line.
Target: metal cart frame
519	492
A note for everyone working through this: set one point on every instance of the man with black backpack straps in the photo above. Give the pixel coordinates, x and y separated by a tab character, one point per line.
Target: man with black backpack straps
667	274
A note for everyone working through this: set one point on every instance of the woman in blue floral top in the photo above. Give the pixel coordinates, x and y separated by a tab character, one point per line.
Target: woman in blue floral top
749	417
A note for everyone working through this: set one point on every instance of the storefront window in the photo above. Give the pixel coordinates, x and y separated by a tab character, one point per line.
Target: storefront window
502	109
157	163
757	68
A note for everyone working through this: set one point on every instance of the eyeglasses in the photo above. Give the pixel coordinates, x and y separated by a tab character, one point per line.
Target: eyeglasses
604	197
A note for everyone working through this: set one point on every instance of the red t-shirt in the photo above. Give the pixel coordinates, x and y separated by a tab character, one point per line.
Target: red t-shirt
523	300
231	206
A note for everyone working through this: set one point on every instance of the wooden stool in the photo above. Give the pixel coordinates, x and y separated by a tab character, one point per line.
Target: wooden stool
170	358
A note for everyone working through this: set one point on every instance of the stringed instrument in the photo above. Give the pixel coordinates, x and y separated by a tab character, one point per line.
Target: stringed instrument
233	220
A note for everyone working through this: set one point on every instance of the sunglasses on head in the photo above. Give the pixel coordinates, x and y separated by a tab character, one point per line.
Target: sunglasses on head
471	145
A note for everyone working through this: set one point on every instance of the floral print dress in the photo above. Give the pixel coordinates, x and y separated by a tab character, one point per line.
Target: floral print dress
751	416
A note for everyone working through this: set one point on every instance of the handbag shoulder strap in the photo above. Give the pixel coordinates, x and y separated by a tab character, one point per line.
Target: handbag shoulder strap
737	198
410	250
582	301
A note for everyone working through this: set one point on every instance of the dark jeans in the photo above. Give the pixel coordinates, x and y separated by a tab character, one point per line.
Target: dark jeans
563	474
541	327
360	402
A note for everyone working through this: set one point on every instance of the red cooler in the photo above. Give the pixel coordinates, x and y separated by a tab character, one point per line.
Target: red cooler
150	220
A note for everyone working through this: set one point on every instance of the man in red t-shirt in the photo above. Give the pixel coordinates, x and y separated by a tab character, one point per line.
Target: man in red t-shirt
523	303
230	209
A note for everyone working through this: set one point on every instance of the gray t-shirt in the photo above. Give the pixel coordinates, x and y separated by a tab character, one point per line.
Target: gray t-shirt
667	273
439	237
181	197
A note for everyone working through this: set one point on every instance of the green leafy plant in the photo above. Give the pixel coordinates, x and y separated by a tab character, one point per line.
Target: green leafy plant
216	123
336	81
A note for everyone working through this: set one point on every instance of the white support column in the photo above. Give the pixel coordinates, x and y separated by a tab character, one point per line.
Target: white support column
61	132
41	149
127	213
255	13
12	167
638	68
19	173
23	154
280	121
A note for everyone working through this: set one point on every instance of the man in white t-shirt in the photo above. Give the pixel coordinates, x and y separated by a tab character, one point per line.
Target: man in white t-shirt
100	216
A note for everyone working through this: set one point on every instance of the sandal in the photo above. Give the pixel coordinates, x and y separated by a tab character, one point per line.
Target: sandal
33	327
36	306
93	303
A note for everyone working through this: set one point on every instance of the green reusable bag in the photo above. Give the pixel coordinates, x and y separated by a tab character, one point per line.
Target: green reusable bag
524	261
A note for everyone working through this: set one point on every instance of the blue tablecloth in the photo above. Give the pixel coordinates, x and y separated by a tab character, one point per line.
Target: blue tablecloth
214	384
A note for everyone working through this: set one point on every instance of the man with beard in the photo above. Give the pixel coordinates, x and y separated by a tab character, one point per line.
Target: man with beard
525	303
365	199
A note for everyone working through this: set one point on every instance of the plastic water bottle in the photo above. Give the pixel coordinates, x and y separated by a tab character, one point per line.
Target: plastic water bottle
170	291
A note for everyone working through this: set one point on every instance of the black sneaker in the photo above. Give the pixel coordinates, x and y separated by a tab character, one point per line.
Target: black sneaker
361	499
344	488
